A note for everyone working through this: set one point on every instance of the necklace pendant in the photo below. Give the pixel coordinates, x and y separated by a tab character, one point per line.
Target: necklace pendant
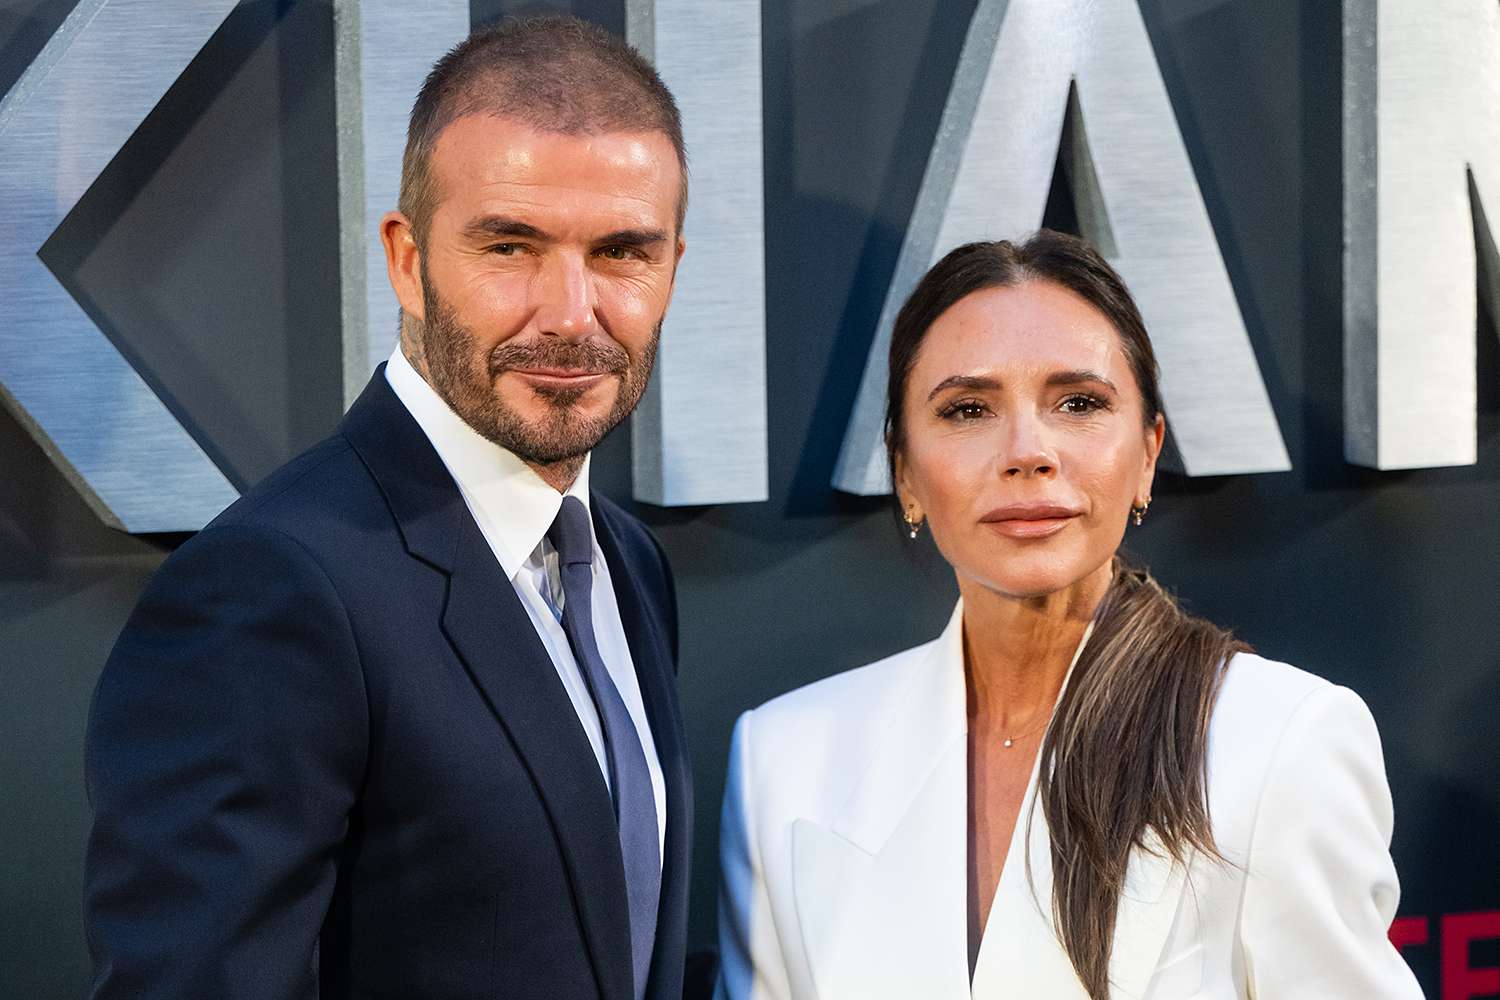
1009	742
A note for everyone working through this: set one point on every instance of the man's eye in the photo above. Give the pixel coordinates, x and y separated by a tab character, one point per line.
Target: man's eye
616	253
506	249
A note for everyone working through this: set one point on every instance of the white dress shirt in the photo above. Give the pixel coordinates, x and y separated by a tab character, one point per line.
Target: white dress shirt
514	508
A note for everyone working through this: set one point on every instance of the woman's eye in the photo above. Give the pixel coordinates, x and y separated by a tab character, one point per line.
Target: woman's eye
964	409
1082	404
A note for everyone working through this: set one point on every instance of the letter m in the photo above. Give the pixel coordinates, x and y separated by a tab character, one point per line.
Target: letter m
1421	167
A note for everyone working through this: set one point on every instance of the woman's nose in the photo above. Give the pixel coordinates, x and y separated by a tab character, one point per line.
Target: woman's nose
1026	452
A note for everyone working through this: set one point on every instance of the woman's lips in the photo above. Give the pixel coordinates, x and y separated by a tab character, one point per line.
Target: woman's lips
1039	527
1029	520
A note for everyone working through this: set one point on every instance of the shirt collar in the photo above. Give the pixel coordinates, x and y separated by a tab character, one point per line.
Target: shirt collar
513	505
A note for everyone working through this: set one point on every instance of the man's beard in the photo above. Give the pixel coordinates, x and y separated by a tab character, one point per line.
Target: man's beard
562	433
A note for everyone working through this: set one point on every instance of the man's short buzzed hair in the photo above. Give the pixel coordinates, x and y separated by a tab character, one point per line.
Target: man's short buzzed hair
557	74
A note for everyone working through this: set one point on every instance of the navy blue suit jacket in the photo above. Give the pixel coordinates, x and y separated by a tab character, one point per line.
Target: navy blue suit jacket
329	756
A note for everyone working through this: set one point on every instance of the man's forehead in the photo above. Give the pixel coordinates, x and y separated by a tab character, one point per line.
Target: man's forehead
483	157
504	139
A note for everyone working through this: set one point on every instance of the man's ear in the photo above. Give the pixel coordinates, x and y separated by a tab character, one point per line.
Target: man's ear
676	260
403	262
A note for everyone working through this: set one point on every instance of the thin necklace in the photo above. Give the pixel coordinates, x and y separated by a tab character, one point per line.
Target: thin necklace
1009	741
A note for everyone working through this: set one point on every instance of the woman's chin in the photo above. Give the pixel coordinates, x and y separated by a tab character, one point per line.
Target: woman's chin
1030	586
1032	580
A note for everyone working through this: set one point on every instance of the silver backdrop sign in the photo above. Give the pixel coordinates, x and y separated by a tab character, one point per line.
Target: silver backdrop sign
1035	76
61	123
1421	167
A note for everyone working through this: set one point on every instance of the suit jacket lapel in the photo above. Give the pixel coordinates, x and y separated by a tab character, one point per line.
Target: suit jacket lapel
651	652
493	636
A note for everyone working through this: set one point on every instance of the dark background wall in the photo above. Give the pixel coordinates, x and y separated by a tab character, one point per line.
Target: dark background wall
223	207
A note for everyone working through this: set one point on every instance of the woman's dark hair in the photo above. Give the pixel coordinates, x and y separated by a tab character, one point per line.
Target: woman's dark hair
1124	759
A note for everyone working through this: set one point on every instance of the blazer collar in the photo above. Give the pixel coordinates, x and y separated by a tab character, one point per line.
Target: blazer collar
513	505
421	494
922	723
882	892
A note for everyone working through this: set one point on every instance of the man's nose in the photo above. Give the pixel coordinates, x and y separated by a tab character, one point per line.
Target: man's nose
1025	451
564	298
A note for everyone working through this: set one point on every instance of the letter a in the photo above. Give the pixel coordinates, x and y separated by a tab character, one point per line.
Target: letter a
988	178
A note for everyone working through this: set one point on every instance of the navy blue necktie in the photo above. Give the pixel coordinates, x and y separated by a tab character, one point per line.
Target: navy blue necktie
629	776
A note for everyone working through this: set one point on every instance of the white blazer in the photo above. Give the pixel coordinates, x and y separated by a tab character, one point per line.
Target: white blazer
844	853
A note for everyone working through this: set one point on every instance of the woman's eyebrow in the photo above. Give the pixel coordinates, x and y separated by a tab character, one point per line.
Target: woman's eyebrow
964	382
1078	376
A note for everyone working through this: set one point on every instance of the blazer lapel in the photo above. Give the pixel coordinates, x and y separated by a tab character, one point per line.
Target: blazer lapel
651	652
1021	955
881	892
1153	891
493	636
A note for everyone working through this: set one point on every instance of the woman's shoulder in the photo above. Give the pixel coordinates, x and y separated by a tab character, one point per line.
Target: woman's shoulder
1275	725
1267	695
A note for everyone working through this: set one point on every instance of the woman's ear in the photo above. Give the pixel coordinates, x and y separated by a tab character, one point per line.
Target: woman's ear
902	486
1156	435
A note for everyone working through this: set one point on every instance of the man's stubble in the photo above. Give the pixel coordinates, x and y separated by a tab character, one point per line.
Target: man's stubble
562	436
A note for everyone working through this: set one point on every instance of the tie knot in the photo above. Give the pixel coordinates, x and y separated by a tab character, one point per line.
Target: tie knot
571	535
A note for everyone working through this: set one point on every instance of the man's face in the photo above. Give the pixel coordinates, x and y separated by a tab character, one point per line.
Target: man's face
548	266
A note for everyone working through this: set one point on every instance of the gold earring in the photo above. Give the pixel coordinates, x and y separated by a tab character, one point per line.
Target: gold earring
1138	513
913	526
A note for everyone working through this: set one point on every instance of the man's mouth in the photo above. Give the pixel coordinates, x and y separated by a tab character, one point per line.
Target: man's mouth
562	378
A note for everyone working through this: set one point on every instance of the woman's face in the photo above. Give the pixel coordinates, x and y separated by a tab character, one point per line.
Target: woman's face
1026	441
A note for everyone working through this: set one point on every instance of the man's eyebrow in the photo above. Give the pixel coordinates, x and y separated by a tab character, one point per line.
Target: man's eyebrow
964	382
633	238
1078	376
493	226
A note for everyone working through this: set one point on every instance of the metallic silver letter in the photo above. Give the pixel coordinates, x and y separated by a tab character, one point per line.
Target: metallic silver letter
1421	186
383	51
699	436
988	177
60	125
